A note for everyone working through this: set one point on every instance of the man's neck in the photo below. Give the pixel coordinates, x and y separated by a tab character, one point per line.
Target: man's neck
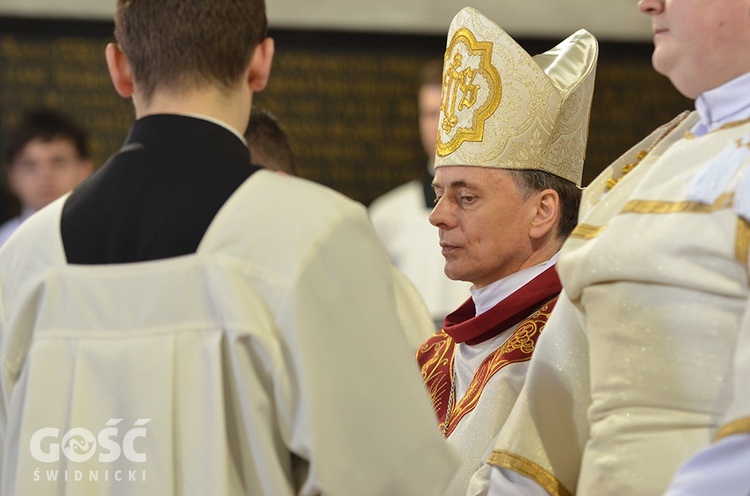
231	108
487	297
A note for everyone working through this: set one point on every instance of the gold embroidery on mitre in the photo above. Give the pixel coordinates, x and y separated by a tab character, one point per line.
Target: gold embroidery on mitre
471	85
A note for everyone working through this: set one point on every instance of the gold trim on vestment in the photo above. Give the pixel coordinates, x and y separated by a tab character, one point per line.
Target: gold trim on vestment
437	371
625	170
517	348
663	207
586	231
526	467
742	242
739	426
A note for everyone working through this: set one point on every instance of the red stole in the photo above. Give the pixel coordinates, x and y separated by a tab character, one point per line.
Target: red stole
529	308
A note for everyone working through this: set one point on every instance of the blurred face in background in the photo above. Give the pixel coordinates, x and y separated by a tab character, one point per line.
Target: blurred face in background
429	115
46	170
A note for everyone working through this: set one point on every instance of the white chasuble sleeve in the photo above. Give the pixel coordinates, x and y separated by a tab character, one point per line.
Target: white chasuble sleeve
272	361
4	386
737	417
545	434
360	412
722	467
413	314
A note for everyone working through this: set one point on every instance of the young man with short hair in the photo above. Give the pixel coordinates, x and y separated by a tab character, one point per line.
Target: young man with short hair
47	155
187	323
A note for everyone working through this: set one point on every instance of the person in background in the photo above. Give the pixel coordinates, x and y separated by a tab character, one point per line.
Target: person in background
268	142
47	155
401	216
508	171
187	323
645	361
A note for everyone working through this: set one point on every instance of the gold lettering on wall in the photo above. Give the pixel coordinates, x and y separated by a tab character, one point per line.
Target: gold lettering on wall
351	114
351	117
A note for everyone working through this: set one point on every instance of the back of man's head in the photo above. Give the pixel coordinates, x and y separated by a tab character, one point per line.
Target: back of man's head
182	45
45	125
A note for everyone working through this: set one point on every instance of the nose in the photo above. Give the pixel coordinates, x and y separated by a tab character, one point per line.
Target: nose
44	170
440	215
651	7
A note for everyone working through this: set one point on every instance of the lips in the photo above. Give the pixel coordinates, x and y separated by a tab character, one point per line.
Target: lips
448	248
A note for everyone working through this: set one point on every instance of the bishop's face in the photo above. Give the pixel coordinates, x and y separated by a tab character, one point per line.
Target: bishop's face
483	221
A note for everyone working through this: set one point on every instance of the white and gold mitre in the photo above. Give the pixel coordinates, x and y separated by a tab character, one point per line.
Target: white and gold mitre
502	108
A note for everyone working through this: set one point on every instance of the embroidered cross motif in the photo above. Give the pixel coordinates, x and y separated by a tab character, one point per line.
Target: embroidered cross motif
457	80
472	90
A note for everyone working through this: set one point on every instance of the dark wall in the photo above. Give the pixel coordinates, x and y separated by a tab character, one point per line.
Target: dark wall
347	100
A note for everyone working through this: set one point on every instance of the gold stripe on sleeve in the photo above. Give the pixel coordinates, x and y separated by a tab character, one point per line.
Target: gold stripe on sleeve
739	426
526	467
586	231
742	243
662	207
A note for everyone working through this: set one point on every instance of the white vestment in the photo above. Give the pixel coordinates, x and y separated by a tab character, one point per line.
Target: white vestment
474	436
272	361
475	368
657	288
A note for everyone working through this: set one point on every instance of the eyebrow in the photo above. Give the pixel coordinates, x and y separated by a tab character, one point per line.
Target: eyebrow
460	183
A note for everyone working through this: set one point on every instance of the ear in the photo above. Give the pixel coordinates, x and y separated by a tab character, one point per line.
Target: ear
260	65
546	215
119	70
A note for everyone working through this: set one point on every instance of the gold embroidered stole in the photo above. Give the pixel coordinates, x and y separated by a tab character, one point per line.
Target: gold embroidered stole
436	358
